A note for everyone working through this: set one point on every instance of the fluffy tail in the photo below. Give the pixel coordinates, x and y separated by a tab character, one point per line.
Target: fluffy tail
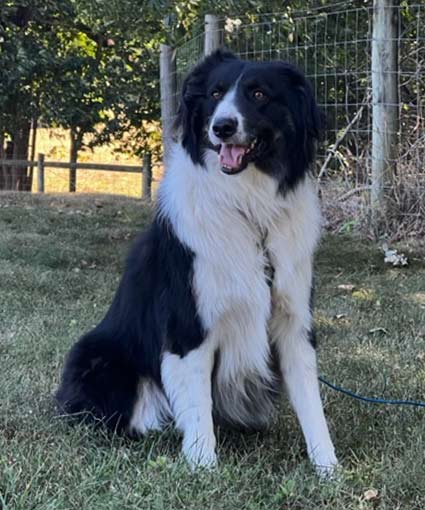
98	385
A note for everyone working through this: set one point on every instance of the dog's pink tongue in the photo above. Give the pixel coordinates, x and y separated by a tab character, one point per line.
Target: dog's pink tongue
231	155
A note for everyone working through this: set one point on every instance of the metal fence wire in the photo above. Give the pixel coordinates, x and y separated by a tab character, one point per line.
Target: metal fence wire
333	46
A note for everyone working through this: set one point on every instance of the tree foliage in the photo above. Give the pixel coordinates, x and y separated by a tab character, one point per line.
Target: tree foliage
92	66
85	66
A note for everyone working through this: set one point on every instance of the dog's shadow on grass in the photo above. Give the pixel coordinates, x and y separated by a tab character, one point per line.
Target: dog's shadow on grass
281	439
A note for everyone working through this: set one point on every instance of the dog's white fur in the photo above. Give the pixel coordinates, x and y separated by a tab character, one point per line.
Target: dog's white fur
227	109
229	222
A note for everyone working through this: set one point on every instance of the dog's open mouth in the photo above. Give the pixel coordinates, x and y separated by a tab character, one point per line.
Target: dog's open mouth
235	158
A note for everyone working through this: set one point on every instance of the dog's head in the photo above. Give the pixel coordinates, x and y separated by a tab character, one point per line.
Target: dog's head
250	112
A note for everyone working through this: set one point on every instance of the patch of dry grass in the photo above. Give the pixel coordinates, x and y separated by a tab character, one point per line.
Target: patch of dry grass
54	144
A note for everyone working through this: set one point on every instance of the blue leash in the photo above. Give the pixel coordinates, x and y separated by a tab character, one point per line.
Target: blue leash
371	399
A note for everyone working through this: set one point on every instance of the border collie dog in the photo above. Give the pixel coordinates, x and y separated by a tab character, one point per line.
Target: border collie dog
213	314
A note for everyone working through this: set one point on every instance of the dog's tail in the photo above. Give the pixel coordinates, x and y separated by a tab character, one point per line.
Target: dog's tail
98	384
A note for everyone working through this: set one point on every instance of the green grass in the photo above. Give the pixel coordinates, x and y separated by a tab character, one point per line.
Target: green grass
60	261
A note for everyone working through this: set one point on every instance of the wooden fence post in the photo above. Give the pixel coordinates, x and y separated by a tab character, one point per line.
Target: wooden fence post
384	104
212	34
168	90
147	176
40	173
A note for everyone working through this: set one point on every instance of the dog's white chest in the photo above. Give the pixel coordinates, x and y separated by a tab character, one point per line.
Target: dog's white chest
234	303
224	221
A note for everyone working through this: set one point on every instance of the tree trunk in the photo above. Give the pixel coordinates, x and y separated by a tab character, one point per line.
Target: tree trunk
20	151
7	169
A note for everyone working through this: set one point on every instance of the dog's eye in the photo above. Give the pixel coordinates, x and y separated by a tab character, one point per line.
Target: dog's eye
259	95
216	94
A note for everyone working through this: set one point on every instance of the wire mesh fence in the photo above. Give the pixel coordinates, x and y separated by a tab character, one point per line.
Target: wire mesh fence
333	46
332	49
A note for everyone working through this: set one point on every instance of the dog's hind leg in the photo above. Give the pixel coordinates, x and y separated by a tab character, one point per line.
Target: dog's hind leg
187	383
151	411
98	384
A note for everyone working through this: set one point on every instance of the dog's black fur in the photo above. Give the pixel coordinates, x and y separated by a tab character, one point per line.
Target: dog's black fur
290	110
154	309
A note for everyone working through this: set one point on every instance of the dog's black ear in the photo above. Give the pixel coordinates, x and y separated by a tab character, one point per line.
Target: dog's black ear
313	116
191	116
311	121
307	119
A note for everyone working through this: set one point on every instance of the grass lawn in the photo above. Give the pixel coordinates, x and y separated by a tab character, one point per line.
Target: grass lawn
55	251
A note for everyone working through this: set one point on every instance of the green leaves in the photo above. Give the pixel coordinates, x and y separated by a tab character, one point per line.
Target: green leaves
86	65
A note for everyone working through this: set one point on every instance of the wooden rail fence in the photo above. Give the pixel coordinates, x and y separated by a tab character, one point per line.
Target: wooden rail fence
145	170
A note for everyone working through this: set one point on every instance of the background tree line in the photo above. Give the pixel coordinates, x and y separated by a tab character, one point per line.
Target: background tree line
90	67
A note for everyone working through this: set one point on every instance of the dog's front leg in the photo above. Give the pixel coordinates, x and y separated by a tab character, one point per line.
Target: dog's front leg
187	383
291	326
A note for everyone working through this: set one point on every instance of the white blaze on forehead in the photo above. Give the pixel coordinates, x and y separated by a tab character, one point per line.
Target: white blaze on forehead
227	109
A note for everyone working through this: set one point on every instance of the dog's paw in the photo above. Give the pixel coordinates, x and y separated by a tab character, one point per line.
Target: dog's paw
328	471
325	464
200	453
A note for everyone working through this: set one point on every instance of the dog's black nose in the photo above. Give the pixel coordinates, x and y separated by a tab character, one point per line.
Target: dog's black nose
225	127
